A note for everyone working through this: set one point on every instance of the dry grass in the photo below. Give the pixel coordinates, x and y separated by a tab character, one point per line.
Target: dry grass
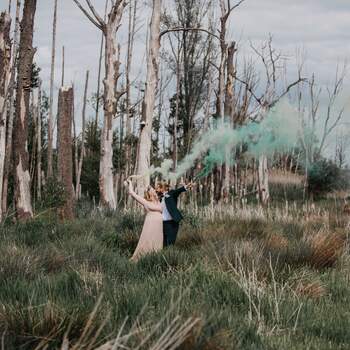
285	178
276	242
327	248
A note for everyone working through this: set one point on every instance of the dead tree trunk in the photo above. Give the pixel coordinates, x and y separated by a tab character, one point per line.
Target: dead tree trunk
107	198
226	11
52	78
131	39
99	74
111	95
220	111
35	166
24	79
64	141
263	180
176	117
143	162
39	155
82	150
5	70
62	76
8	151
228	111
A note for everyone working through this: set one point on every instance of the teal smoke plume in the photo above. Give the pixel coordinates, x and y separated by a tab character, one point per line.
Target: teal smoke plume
277	131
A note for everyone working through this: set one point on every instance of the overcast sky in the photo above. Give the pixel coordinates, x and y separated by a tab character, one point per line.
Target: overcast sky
320	27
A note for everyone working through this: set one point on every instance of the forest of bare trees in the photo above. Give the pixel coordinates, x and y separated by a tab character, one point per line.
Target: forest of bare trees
190	52
173	176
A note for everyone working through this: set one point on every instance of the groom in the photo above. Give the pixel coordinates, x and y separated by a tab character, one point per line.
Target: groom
171	214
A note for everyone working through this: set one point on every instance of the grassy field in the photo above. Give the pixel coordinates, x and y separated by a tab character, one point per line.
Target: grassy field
238	278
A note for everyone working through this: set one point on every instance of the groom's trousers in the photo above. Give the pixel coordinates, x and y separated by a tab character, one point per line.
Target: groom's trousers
170	230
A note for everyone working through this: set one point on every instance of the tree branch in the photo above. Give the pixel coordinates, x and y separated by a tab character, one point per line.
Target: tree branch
182	29
290	86
237	5
249	88
95	13
92	20
116	9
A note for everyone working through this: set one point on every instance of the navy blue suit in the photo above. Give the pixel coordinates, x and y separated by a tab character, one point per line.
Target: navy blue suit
171	227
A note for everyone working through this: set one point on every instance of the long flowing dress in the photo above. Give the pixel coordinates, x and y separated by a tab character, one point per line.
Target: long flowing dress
151	238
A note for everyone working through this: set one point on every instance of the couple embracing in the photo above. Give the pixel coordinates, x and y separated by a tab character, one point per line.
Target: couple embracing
162	217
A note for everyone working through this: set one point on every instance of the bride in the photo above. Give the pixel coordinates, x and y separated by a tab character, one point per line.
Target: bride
151	239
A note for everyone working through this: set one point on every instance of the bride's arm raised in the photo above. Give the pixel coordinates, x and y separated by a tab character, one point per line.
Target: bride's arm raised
134	195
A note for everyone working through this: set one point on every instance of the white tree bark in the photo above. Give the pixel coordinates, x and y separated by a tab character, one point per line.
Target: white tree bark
52	78
5	71
23	203
111	95
145	142
131	39
263	178
82	150
11	95
107	198
39	154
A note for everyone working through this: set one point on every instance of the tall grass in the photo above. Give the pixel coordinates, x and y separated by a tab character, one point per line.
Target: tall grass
239	278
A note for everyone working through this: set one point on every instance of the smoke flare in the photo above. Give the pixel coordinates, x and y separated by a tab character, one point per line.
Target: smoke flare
277	131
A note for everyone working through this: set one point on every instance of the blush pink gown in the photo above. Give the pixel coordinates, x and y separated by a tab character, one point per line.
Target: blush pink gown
151	238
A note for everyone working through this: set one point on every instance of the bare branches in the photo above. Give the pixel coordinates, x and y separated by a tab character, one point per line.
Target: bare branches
237	5
251	91
289	87
227	12
333	94
87	14
183	29
95	13
271	61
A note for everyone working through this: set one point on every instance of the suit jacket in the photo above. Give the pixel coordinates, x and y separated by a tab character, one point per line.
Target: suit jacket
171	203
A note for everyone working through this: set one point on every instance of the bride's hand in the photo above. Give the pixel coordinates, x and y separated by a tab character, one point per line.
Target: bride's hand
131	187
128	184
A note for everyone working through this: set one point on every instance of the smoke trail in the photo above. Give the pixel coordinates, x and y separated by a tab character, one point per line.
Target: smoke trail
278	131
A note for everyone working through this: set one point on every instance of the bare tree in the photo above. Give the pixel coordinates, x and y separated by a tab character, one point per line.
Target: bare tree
11	98
5	70
224	102
97	109
332	117
273	66
129	113
64	140
341	147
39	141
190	63
63	54
319	123
52	78
24	82
111	95
229	108
143	162
82	150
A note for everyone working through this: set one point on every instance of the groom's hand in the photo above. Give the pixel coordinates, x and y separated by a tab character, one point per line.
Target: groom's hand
189	186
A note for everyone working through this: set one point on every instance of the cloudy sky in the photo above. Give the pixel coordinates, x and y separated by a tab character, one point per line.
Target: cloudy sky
319	27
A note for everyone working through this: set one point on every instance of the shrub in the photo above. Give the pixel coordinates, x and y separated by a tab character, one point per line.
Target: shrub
53	195
325	176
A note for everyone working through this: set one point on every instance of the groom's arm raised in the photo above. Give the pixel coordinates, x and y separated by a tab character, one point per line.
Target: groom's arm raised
175	193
